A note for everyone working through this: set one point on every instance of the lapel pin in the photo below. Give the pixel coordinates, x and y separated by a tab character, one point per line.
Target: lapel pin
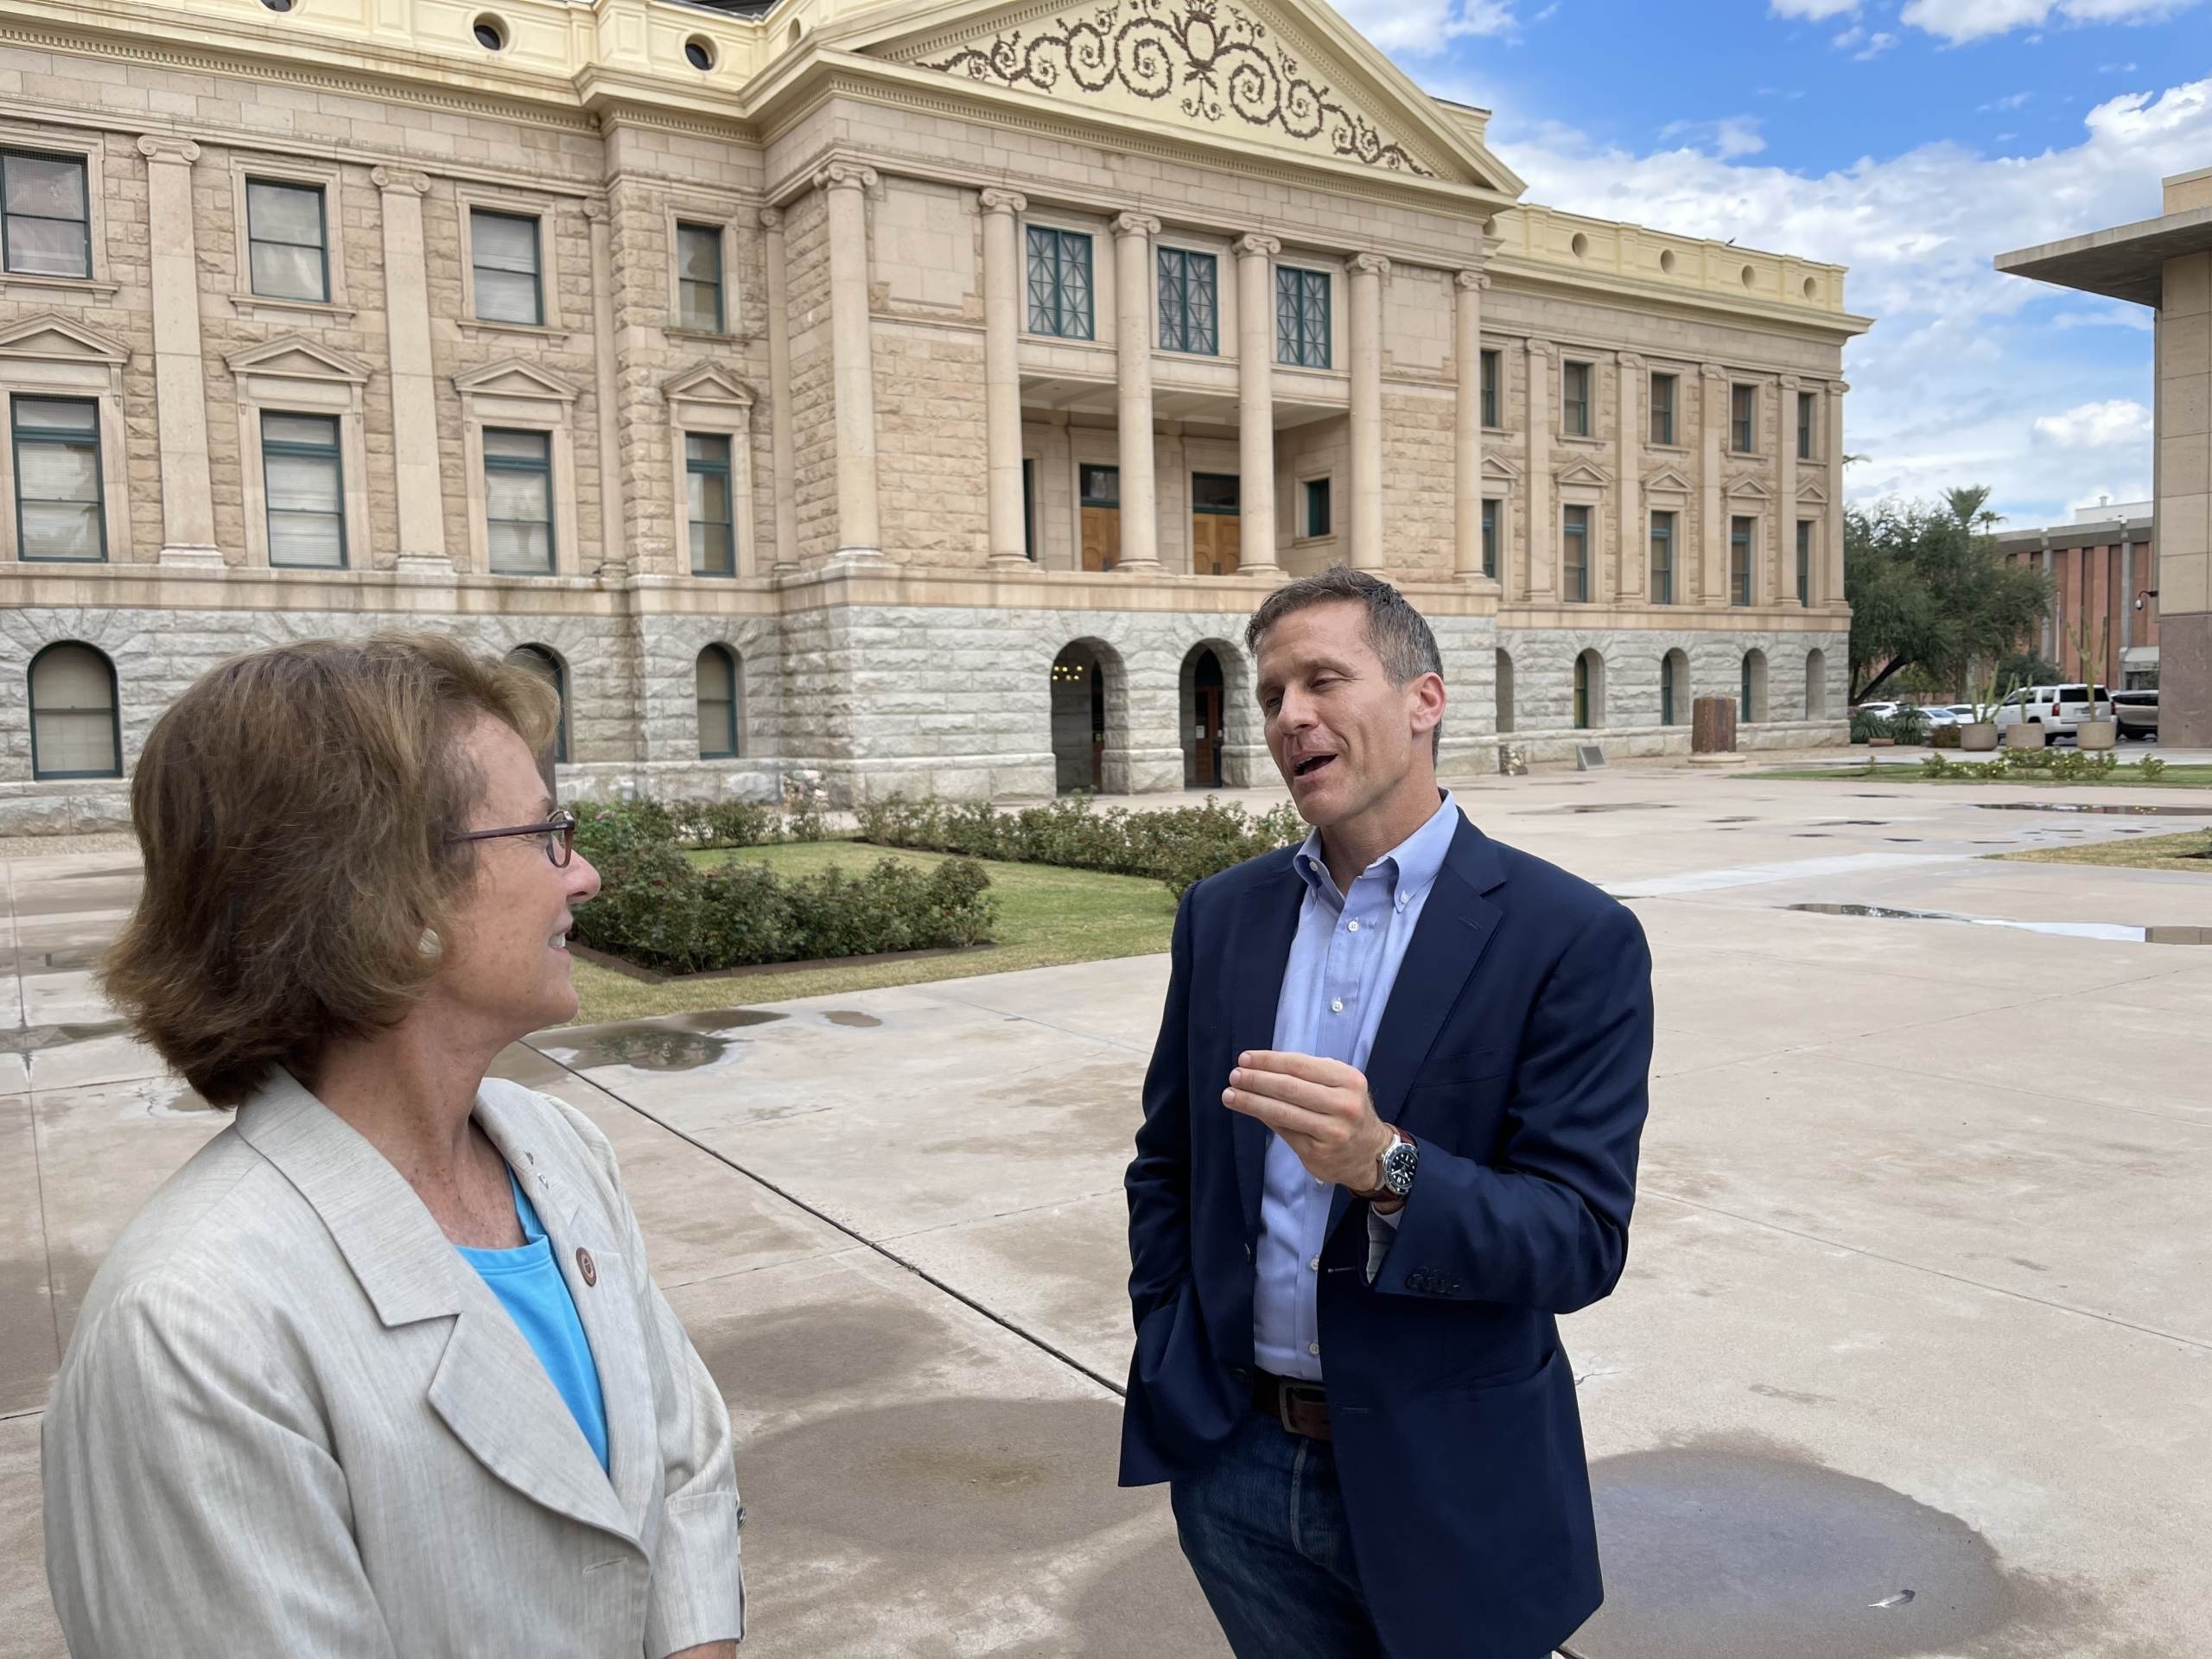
584	1266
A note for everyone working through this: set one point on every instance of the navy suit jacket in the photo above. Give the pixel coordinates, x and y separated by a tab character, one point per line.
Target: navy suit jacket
1515	1048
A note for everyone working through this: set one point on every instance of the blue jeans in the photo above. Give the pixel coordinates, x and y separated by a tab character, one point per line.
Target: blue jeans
1264	1529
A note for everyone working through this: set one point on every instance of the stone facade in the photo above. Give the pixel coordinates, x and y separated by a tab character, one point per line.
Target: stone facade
905	441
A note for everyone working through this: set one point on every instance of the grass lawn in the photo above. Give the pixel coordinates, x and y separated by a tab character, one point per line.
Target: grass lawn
2134	853
2188	777
1048	916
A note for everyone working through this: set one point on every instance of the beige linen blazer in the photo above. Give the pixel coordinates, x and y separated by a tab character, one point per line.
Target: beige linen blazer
293	1421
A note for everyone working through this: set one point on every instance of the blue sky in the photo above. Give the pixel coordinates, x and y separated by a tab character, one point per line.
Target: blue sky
1908	139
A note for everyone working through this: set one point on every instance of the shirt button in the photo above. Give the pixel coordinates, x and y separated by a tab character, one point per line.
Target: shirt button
1337	1006
1351	926
1312	1347
1313	1266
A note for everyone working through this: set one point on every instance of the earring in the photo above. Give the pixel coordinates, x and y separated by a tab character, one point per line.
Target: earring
430	944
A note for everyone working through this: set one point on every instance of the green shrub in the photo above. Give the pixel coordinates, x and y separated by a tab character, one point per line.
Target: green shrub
2150	767
1866	727
1908	725
1943	737
1934	768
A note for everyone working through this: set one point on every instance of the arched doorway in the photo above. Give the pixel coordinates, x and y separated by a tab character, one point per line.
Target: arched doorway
1205	718
1816	686
1674	687
549	668
1505	692
1087	700
1752	708
1589	691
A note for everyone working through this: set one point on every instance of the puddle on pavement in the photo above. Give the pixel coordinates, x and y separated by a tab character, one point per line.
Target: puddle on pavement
2115	932
682	1042
852	1018
31	1040
1608	806
2099	806
1720	1549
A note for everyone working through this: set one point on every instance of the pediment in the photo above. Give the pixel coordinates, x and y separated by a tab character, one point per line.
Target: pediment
1811	491
514	376
1667	480
1285	75
295	356
1750	489
1583	474
1497	466
705	383
52	337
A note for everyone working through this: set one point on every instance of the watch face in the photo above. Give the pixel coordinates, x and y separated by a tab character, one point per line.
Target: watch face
1398	1165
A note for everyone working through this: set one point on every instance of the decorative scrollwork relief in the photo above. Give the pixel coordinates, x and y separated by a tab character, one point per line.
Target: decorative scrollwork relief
1212	58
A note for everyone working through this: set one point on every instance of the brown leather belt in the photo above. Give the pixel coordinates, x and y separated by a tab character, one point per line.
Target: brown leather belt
1301	1408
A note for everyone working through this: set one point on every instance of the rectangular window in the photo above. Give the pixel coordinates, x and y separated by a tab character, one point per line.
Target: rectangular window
1317	507
304	483
46	228
706	477
287	255
1059	284
1804	426
1739	561
1743	415
1491	361
699	278
1190	314
1662	558
518	501
1575	541
1662	408
503	250
1804	562
1099	487
1302	318
1490	536
60	513
1574	400
1029	509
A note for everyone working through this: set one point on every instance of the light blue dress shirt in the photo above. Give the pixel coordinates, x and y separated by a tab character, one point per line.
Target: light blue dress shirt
1343	964
529	1285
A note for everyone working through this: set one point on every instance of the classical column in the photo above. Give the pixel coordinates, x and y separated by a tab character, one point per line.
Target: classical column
1132	234
1784	588
845	185
1467	424
180	374
1712	419
1002	374
779	392
613	539
1255	401
1543	581
1832	588
1635	559
417	478
1368	271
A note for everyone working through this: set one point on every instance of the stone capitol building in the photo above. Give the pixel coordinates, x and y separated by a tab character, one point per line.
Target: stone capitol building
917	395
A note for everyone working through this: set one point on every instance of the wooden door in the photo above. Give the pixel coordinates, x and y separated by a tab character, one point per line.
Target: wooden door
1101	537
1216	544
1207	735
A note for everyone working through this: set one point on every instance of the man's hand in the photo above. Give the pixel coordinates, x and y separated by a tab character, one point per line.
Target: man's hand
1320	1108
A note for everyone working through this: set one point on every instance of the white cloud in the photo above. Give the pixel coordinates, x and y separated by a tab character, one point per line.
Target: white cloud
2113	423
2116	68
1849	37
1421	28
1812	10
1962	361
2013	101
1730	136
1960	20
1875	46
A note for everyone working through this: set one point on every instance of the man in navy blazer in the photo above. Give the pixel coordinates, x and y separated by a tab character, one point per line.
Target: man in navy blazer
1389	1135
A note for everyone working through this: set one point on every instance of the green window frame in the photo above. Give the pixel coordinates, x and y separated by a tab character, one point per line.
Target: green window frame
1582	690
1804	426
506	256
1663	390
1662	558
1739	561
711	510
1491	362
60	484
303	490
1574	545
1804	562
46	228
1666	689
1099	486
699	278
1061	287
69	726
518	466
715	680
1301	317
1189	303
288	240
1743	417
1491	504
1744	711
1029	508
537	660
1318	505
1575	399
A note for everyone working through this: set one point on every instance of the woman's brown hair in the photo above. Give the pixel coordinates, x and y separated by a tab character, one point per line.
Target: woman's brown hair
295	809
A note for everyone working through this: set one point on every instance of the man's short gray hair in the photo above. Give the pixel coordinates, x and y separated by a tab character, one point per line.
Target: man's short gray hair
1399	634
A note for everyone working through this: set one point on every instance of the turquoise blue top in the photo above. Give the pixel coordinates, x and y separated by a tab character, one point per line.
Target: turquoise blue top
529	1285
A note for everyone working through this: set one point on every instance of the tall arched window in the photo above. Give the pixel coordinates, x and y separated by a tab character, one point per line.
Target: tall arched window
1674	687
718	678
74	730
544	663
1816	686
1752	708
1589	691
1505	692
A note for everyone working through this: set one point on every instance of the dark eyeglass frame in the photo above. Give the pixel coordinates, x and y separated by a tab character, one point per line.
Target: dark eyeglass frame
559	830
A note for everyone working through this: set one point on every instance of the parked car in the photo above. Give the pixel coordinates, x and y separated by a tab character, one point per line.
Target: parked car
2136	713
2057	708
1950	714
1883	709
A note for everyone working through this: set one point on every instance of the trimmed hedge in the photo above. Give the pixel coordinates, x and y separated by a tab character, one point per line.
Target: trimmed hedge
659	909
1180	846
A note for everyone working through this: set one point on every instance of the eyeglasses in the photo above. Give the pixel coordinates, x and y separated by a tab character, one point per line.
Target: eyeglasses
559	832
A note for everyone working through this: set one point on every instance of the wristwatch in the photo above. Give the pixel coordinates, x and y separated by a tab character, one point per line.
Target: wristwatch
1396	1168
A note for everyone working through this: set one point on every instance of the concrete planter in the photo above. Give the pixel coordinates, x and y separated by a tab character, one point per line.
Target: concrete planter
1978	735
1881	742
2024	736
2096	733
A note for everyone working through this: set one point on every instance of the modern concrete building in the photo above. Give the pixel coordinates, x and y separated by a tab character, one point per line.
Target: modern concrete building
2165	263
2103	571
920	395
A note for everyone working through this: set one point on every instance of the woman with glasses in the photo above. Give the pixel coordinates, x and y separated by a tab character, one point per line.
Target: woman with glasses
381	1371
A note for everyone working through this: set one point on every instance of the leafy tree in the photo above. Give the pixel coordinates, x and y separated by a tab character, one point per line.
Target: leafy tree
2025	668
1928	590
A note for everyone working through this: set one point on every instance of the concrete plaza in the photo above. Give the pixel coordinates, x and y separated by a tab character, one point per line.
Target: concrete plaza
1913	1355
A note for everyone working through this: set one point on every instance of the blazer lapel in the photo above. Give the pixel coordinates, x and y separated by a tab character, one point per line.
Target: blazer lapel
1266	926
1455	928
489	1387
